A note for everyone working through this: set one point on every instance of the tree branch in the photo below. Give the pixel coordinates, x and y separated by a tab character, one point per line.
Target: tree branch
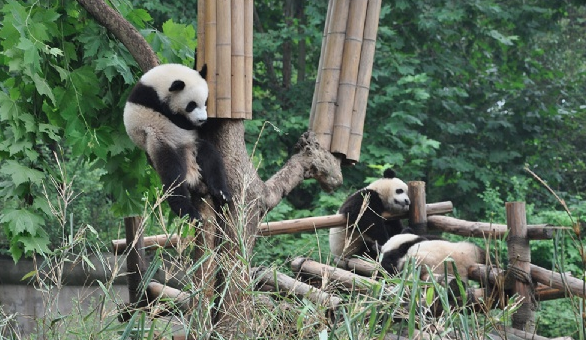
312	161
124	31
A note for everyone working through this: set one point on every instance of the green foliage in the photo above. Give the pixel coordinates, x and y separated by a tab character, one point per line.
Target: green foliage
63	86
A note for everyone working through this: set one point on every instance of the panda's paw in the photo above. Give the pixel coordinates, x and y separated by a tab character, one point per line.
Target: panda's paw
226	197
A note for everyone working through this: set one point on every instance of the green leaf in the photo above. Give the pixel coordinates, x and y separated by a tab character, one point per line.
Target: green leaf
20	173
43	88
21	221
35	244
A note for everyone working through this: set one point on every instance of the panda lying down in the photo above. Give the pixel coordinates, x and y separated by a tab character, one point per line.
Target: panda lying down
430	253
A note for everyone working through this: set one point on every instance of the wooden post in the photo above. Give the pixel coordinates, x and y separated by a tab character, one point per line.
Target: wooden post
135	261
417	208
519	255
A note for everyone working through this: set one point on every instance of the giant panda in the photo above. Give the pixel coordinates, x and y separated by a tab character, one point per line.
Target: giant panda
162	116
430	253
365	233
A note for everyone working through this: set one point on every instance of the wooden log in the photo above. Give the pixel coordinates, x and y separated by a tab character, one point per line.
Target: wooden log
355	265
305	266
321	222
323	121
223	59
348	76
519	256
159	291
363	80
210	55
485	230
285	284
136	260
564	283
286	227
248	56
417	213
524	334
238	60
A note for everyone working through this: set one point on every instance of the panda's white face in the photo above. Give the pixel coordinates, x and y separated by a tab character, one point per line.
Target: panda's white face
393	192
182	88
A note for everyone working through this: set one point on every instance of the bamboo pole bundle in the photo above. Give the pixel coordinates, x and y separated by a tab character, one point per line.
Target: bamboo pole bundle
225	33
483	229
238	60
348	76
210	53
363	80
248	60
224	58
323	119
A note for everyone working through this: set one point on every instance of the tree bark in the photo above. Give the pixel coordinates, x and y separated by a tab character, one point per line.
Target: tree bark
253	198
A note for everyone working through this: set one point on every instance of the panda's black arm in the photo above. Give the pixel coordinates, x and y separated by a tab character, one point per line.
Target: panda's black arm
213	172
172	169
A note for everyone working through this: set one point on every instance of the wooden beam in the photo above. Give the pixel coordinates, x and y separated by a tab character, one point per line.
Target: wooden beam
485	230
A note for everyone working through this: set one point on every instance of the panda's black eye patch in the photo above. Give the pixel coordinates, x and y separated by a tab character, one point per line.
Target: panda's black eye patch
399	191
177	85
191	106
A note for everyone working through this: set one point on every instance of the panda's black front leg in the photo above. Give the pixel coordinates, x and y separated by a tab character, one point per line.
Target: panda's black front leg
213	172
171	168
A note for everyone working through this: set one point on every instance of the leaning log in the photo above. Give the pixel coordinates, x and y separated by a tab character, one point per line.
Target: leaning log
484	229
308	267
285	284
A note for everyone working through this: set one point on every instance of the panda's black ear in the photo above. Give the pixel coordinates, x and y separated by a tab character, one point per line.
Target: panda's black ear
177	85
204	71
389	173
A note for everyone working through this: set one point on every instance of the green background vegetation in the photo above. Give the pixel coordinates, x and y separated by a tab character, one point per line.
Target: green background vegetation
465	95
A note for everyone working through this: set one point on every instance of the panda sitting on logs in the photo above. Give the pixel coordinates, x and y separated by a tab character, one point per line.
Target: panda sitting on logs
366	229
430	254
162	116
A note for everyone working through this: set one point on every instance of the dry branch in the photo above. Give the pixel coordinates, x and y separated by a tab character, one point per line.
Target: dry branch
485	230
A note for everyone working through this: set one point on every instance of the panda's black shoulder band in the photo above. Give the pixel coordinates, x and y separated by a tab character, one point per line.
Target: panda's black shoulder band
146	96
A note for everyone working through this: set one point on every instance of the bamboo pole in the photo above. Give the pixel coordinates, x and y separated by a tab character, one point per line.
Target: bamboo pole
286	284
484	230
324	40
200	34
519	255
248	56
328	87
210	54
224	59
238	60
363	80
417	213
348	76
305	266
